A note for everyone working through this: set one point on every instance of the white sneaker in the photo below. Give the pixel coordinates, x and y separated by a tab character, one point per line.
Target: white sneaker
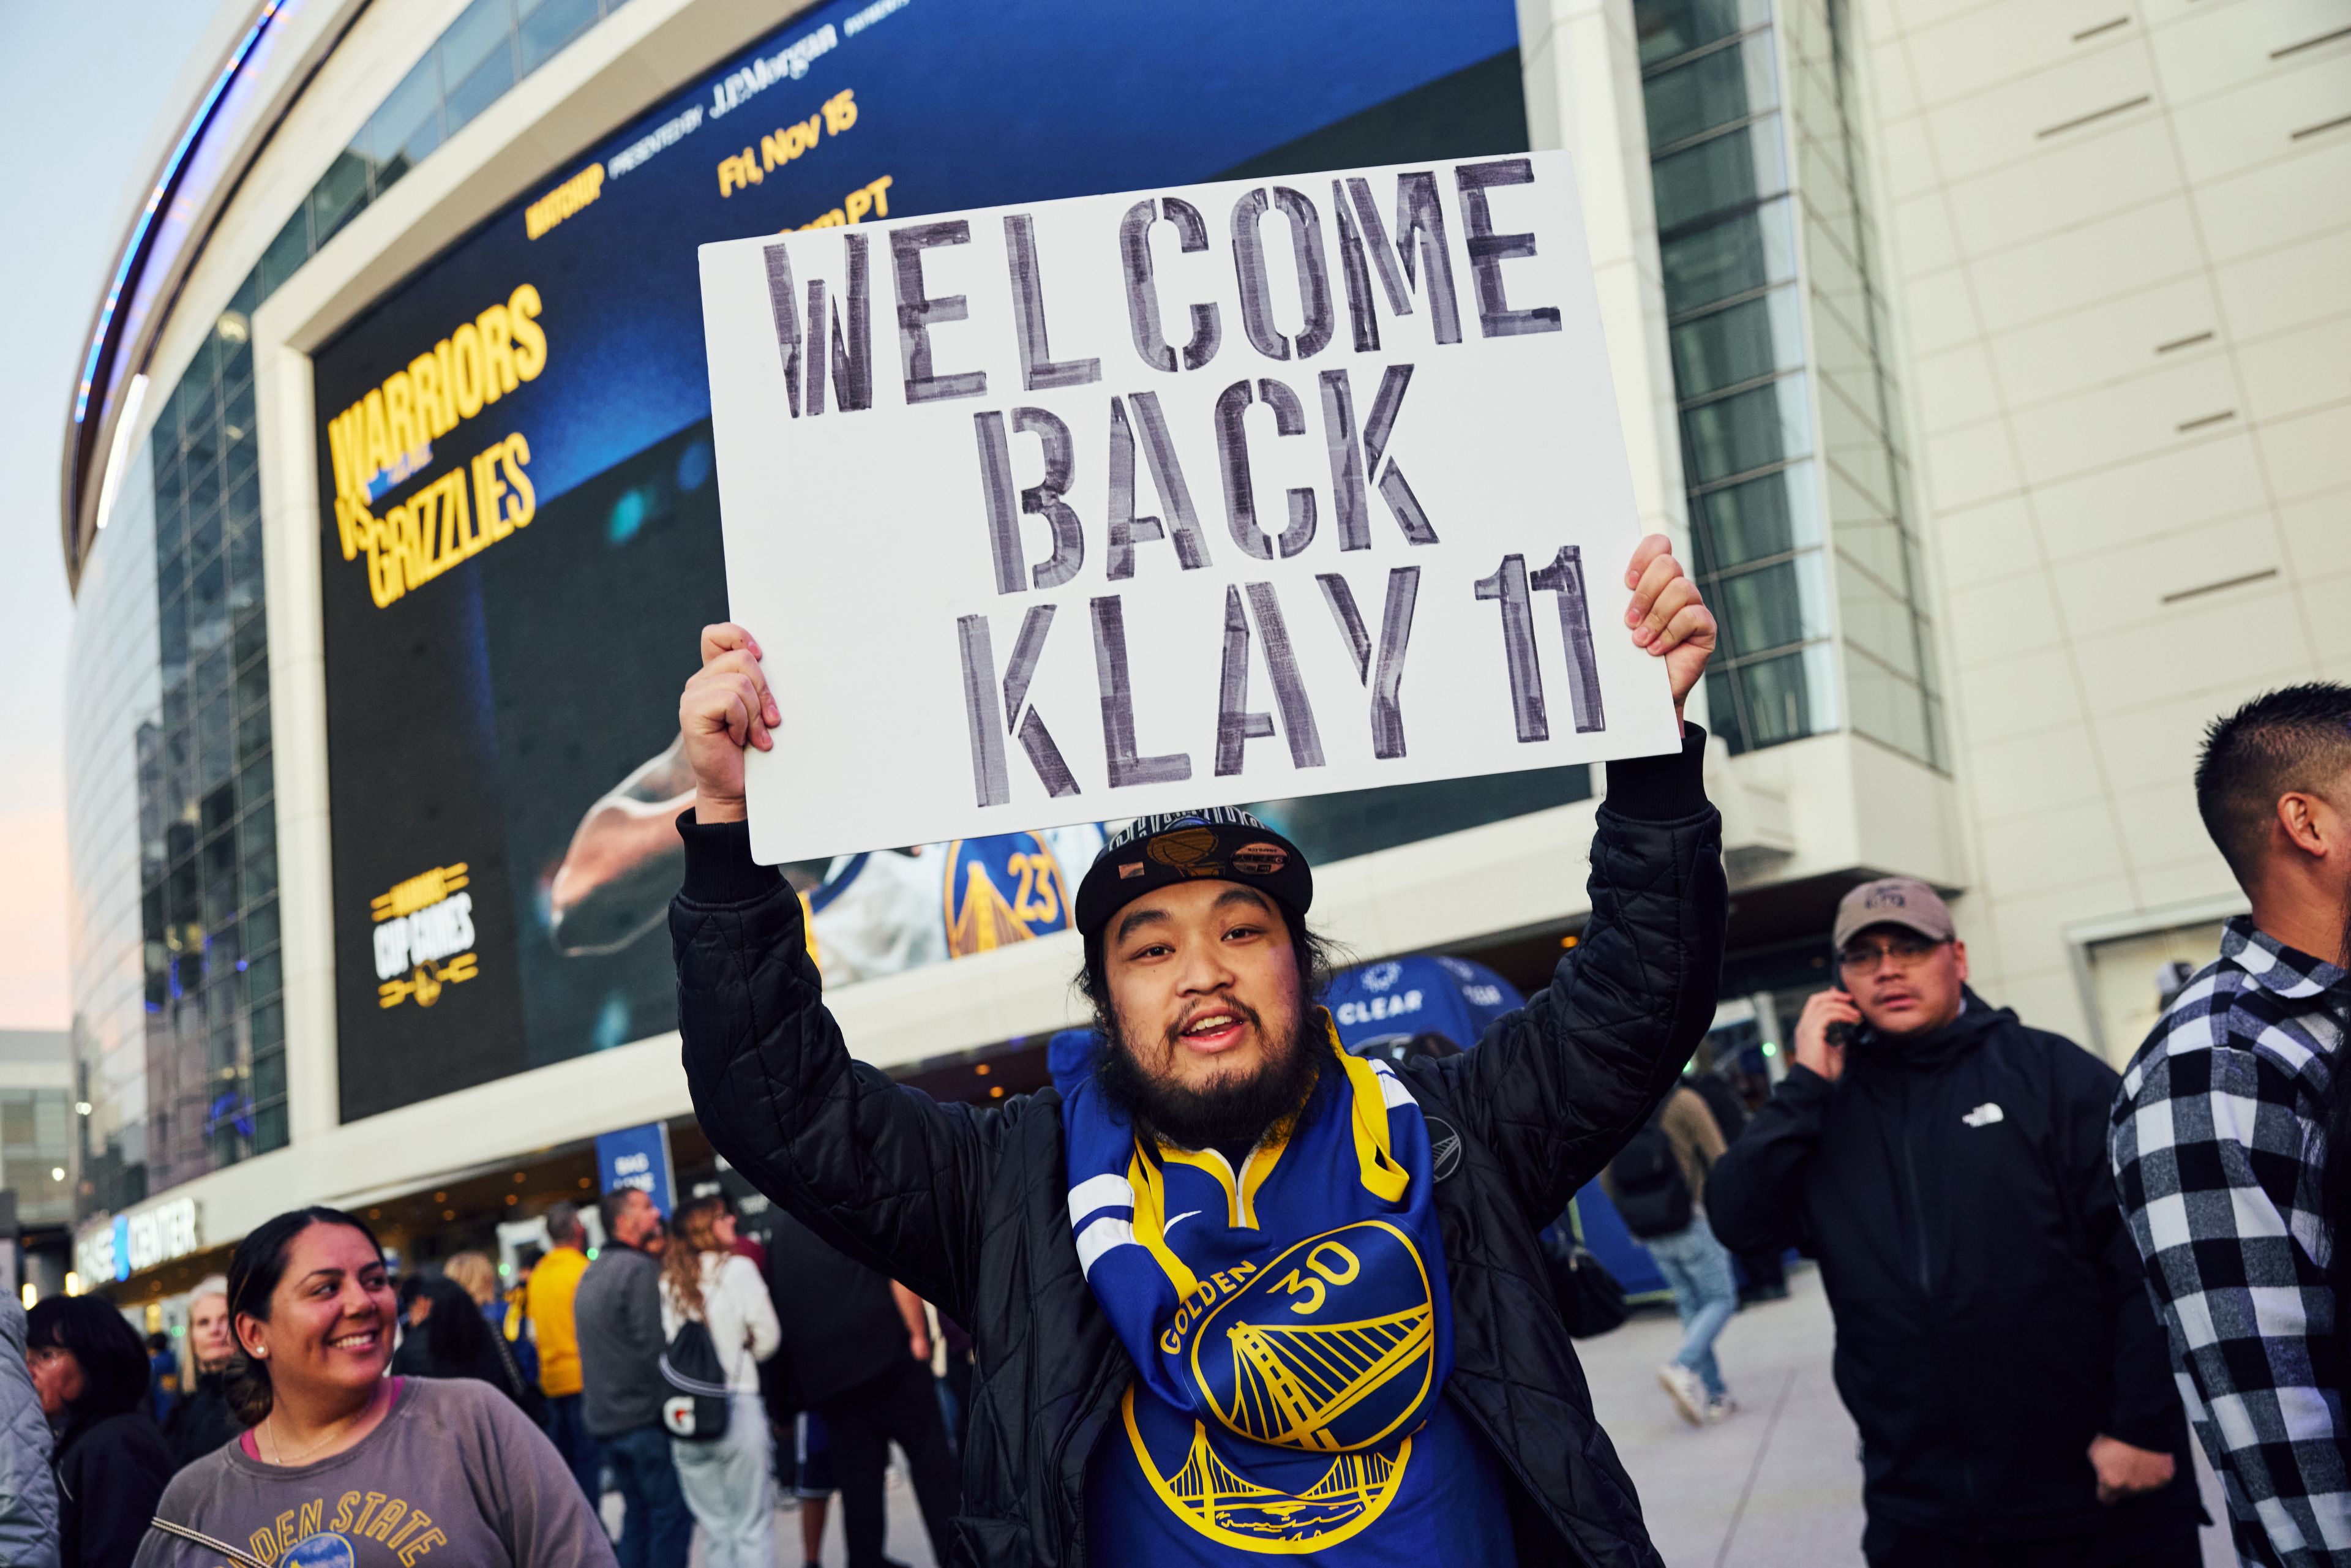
1718	1411
1687	1392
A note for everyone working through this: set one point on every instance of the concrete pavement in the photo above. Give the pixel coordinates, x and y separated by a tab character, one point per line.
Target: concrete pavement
1777	1486
1780	1482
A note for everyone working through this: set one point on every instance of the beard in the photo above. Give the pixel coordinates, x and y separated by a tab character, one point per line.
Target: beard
1228	1113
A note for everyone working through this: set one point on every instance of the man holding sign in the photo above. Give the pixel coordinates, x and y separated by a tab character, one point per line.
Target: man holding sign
1212	493
1242	1293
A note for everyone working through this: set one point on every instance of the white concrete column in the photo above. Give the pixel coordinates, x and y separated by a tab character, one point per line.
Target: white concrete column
283	411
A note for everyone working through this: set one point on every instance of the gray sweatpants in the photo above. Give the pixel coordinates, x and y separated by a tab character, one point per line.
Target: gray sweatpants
730	1489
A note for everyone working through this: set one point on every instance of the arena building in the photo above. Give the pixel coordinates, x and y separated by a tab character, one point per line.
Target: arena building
1987	360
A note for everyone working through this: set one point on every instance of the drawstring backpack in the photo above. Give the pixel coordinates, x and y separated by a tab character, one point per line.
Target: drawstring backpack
696	1407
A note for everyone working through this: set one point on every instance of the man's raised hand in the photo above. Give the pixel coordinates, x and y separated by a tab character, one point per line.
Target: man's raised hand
724	707
1666	616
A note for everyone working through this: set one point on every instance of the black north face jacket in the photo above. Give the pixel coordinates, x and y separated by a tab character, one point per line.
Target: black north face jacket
968	1205
1992	1316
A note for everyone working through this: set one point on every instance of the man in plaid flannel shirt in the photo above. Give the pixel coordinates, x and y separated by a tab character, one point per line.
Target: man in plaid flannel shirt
2218	1135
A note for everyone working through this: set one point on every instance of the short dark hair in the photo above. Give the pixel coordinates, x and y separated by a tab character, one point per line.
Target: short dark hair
563	1225
612	1205
255	1269
2283	741
457	1335
114	1369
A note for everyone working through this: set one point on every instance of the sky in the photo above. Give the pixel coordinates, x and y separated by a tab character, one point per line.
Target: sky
81	88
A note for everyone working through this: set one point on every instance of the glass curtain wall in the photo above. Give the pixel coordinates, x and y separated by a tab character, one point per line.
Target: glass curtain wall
111	668
1726	237
1781	455
36	1145
1892	691
36	1134
216	1033
491	45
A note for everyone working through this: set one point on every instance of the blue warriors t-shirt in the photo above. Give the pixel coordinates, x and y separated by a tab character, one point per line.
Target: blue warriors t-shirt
1289	1324
1157	1496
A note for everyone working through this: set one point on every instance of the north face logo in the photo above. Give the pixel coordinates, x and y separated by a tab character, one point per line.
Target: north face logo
1984	1115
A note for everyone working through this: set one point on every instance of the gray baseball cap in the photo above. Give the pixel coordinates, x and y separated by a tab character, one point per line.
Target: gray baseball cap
1901	901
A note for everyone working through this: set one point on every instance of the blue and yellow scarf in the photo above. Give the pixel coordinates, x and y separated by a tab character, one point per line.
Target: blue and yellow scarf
1289	1322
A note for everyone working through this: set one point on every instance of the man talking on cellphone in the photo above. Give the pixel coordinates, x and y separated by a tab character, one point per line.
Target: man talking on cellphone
1994	1339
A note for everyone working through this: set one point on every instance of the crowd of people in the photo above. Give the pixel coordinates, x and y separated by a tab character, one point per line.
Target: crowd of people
1232	1290
329	1408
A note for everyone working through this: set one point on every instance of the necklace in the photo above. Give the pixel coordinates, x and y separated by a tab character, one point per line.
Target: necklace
278	1455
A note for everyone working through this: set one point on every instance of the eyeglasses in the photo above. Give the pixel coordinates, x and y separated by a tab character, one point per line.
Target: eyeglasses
1863	958
44	1355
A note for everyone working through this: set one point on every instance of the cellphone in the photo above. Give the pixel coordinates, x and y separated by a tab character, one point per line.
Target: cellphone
1840	1034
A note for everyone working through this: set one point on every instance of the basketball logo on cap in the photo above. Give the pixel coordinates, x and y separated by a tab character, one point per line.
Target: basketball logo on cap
1184	850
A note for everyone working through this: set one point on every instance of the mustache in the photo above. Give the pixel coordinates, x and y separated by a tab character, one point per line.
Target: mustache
1230	1109
1226	1003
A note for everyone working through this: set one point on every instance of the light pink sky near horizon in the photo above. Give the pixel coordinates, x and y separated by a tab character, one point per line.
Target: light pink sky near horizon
81	89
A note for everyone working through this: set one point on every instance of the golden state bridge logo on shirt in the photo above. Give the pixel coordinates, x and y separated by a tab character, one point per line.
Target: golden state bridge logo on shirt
321	1552
1289	1322
1326	1352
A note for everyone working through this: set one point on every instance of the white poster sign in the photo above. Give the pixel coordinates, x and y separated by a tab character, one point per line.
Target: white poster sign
1082	510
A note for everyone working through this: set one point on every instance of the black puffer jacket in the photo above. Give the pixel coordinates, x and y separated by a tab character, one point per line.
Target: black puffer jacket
202	1421
968	1205
1991	1318
112	1473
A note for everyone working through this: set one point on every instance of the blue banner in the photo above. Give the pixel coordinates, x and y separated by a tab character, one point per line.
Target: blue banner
637	1158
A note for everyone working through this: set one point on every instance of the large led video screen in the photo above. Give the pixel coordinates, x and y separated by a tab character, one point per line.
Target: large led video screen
521	537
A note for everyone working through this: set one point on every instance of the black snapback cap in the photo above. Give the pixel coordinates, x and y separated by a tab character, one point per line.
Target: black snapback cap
1222	844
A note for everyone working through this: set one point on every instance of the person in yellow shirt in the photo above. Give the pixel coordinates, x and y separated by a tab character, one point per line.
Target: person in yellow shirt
548	1299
